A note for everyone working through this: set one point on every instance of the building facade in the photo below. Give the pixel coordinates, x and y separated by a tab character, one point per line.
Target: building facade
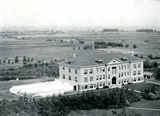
89	72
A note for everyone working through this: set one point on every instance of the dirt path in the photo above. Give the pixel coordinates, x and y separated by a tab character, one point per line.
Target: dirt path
143	108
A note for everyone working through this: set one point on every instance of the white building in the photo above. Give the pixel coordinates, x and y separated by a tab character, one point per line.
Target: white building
93	71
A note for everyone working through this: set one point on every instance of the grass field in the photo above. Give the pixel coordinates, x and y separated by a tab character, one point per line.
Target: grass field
142	86
39	48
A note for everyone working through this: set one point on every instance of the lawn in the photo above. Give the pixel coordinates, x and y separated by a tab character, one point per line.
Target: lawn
141	86
109	112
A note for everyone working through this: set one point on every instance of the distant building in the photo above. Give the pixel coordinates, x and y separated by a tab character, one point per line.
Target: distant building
92	71
149	75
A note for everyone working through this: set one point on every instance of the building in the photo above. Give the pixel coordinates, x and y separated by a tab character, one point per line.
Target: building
149	75
92	71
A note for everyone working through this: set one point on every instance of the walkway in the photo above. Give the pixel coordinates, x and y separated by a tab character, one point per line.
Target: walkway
135	108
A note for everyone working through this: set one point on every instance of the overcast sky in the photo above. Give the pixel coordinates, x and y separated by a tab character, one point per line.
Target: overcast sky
116	13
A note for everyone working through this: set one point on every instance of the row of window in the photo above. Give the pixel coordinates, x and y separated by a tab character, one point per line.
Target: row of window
124	67
69	78
103	69
93	85
135	65
69	70
135	72
88	72
127	80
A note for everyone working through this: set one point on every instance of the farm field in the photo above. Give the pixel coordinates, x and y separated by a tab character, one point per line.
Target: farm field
46	46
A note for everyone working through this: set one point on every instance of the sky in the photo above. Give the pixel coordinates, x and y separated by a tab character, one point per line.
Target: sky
83	13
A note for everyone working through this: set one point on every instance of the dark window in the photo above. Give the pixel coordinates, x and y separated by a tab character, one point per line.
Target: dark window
91	71
113	70
63	76
69	77
114	80
85	71
75	71
69	70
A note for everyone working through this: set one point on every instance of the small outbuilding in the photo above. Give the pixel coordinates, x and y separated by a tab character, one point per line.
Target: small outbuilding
149	75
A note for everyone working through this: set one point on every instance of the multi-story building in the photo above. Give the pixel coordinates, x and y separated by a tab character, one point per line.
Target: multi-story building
92	71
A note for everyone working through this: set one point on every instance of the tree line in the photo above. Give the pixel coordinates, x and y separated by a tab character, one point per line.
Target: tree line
110	30
144	30
62	105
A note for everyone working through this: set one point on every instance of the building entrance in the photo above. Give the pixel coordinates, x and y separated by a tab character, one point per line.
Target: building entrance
114	80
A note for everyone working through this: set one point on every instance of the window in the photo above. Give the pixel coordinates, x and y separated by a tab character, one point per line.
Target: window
100	84
75	71
69	70
75	79
91	85
119	74
91	71
103	69
86	79
113	70
103	84
100	77
69	77
94	85
108	76
119	67
97	69
134	65
139	65
63	68
119	81
128	66
124	73
124	66
124	80
134	72
108	83
100	69
97	77
103	76
85	87
108	68
85	71
139	79
127	73
127	80
134	79
91	78
63	76
139	72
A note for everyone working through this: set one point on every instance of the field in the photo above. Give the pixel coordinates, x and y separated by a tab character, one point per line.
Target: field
49	46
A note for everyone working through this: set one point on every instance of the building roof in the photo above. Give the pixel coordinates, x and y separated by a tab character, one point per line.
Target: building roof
148	73
98	59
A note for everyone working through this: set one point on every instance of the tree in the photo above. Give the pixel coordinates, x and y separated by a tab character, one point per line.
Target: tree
31	59
155	64
16	59
134	46
24	60
126	46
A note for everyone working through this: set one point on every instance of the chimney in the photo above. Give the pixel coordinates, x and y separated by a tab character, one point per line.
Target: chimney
74	55
132	53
